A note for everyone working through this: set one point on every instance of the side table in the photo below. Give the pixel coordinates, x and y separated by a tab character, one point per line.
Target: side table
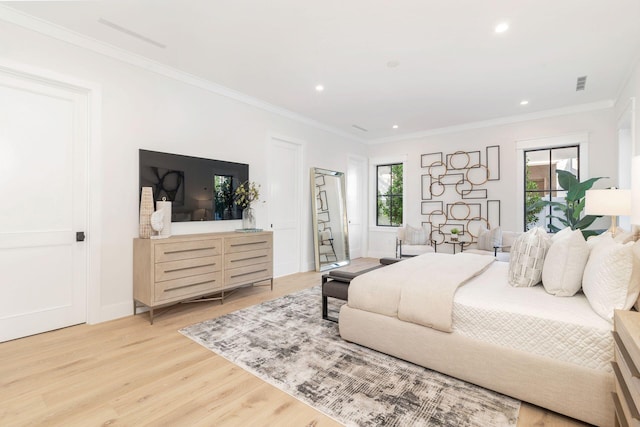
455	243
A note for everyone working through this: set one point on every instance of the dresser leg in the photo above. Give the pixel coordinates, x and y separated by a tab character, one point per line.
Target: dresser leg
272	283
151	316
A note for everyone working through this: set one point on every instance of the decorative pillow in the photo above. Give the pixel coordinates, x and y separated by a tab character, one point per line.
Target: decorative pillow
561	234
508	239
623	236
635	274
527	258
607	277
564	264
593	241
487	239
415	236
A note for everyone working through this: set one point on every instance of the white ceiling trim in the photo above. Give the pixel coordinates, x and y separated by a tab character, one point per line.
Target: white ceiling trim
600	105
52	30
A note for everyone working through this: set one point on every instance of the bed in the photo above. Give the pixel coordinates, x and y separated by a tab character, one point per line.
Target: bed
554	352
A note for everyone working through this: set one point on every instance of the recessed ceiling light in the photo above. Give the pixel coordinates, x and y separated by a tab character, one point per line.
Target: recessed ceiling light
319	88
501	27
395	126
393	64
524	102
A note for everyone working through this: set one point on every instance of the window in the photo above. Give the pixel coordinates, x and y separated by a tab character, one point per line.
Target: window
389	195
541	183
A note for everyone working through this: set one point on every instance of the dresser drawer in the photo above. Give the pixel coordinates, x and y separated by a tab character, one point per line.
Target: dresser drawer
248	274
629	409
628	369
247	243
243	259
187	250
187	267
185	287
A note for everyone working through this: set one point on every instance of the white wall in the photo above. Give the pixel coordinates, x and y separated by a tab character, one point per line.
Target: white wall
599	124
142	109
631	89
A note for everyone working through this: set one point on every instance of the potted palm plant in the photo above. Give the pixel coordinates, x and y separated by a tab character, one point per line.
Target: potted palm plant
569	212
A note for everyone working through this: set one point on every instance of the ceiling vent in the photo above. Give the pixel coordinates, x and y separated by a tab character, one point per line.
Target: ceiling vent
581	83
360	128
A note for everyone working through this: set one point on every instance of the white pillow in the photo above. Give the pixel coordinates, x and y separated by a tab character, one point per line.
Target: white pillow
487	239
415	236
607	277
635	275
527	258
564	263
593	241
561	234
623	236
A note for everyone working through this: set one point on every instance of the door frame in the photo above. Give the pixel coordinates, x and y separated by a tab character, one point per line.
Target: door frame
362	198
93	93
302	218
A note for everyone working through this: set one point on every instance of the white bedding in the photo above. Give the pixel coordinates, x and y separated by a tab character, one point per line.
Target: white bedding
531	320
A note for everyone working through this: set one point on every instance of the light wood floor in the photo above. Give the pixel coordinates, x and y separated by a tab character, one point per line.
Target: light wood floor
127	372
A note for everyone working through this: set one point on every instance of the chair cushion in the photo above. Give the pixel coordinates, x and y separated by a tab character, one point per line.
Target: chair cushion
416	236
487	239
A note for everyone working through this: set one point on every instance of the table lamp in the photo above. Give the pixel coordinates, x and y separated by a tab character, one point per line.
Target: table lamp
611	202
635	190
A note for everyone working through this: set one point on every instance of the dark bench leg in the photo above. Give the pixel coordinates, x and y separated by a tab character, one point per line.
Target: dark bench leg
325	311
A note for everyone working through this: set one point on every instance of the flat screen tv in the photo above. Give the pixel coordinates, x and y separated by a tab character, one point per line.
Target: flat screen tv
200	189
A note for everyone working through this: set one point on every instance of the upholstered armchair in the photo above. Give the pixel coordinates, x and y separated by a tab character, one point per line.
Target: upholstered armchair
411	241
494	242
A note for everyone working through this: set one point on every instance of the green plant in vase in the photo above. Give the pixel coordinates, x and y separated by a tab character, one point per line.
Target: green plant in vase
454	234
246	194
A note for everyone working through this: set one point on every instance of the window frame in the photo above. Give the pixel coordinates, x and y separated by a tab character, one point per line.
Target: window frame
550	176
390	196
373	188
579	138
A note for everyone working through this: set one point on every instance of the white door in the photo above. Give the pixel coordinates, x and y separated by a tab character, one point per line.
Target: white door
43	169
356	204
285	182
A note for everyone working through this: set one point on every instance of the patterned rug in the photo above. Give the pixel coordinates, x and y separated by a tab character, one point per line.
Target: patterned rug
286	343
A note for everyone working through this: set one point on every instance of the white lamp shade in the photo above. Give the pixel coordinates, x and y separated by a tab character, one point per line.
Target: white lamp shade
635	190
611	202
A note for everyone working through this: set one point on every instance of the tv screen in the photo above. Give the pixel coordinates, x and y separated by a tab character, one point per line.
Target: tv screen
199	189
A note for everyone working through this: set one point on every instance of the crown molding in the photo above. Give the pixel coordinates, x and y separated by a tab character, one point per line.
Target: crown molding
600	105
49	29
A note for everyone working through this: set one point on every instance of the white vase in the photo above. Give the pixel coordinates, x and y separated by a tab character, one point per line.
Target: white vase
248	218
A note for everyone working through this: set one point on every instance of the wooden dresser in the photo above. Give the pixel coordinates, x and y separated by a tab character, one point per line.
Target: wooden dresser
182	268
626	367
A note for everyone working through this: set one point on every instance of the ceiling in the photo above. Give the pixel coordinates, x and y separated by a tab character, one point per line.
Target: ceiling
418	64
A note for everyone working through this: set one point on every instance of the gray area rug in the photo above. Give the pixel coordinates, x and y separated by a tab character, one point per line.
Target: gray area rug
286	343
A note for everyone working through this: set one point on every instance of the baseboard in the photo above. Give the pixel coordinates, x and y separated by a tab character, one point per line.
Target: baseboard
115	311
